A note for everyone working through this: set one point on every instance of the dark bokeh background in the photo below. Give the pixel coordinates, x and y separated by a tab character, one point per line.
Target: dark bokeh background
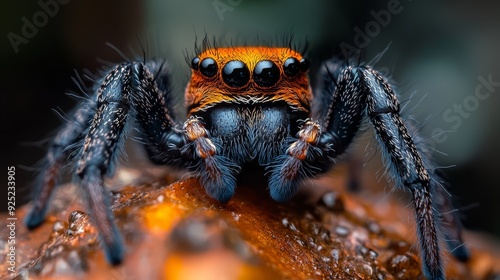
439	49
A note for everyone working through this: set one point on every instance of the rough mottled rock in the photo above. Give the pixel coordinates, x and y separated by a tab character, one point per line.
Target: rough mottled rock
174	231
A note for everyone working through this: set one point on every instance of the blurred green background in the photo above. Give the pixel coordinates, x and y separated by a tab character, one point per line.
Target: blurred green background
438	48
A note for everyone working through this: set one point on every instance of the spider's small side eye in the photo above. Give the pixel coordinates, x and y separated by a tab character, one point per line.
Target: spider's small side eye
235	74
292	67
266	73
195	63
208	67
305	64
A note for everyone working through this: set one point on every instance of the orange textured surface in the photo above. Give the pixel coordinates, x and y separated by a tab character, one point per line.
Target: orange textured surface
176	232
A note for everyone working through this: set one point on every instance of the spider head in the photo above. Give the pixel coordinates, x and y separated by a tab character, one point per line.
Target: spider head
248	75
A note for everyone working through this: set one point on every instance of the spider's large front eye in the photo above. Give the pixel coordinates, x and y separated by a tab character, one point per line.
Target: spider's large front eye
208	67
266	73
292	67
235	74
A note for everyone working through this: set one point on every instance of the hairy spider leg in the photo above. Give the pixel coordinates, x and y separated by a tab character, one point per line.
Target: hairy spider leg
61	151
451	227
341	128
152	103
103	139
405	164
190	147
102	124
339	109
409	164
357	93
329	101
448	217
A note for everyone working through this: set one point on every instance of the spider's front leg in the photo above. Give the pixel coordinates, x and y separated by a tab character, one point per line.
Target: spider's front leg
338	108
346	95
128	91
191	147
406	165
358	92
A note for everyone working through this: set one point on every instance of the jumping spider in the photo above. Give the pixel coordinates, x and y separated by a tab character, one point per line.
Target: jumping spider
245	104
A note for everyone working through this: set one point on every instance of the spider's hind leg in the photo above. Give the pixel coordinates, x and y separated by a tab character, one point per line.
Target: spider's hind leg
61	151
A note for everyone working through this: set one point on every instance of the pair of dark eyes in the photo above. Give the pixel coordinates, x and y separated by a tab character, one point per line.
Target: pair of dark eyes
236	73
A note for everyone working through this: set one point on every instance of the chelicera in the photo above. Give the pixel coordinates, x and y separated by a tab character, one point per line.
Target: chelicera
245	105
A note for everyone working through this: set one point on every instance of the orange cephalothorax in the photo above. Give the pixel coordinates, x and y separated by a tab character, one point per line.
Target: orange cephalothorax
248	75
